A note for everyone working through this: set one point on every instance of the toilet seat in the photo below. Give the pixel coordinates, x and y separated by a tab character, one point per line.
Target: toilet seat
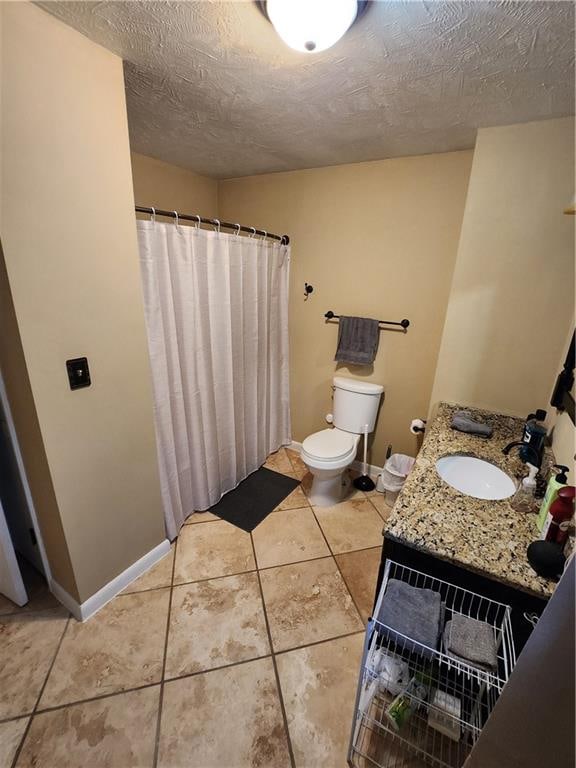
330	446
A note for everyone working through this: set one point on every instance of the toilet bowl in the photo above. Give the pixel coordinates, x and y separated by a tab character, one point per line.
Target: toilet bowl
327	454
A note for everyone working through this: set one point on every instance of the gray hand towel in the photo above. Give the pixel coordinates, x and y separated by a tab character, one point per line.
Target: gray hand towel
471	641
358	339
413	612
464	422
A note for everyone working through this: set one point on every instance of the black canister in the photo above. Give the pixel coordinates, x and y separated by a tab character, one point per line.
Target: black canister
534	434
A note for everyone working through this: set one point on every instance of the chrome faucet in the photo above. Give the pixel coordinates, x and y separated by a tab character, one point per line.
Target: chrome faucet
521	444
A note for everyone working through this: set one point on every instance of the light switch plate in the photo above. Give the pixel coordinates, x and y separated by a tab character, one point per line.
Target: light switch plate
78	372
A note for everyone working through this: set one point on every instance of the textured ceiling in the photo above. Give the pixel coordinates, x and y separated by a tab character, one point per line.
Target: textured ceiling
211	87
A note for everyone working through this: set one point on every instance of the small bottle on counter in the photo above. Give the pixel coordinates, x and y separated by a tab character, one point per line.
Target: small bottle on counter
561	511
557	480
523	500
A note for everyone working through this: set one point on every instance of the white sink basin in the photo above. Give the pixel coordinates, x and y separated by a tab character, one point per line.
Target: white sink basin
475	477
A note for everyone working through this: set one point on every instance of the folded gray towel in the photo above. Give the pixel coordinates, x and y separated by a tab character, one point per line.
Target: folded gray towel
413	612
463	421
471	641
358	339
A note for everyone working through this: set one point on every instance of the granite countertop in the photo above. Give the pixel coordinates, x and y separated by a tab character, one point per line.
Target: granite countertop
488	537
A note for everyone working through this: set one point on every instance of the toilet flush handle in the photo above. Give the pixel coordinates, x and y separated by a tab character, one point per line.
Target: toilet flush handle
329	418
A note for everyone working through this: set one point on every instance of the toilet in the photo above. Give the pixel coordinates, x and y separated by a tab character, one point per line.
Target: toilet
330	452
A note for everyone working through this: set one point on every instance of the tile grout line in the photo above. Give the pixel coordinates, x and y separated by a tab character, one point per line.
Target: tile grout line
328	544
274	512
273	657
76	702
328	555
4	720
43	687
199	522
338	568
161	694
277	511
136	688
88	700
32	612
213	578
258	567
142	591
36	710
321	642
145	686
209	578
384	519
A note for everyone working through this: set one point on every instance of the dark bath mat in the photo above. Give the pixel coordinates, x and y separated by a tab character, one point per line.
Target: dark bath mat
253	500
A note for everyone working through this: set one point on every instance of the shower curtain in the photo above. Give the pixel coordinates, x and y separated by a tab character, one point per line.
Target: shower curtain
216	308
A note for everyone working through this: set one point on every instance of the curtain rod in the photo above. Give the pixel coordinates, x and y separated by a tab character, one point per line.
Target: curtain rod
283	239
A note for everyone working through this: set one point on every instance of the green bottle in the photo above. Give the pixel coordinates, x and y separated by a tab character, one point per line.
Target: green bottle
556	482
414	695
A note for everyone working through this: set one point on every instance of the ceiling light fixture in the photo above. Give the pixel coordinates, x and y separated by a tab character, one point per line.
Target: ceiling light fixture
311	26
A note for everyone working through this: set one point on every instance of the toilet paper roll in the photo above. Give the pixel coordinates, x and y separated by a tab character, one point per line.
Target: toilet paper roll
417	426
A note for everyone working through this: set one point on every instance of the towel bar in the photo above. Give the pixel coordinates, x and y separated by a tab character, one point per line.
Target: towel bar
404	323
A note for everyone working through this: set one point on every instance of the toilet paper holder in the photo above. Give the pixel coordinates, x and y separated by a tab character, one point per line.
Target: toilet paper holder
417	425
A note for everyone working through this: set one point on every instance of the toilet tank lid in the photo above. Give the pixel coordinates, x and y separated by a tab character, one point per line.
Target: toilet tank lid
354	385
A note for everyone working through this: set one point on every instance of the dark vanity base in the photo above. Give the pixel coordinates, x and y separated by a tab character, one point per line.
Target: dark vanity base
519	601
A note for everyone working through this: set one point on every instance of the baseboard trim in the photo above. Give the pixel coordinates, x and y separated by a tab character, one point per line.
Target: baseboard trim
372	468
88	608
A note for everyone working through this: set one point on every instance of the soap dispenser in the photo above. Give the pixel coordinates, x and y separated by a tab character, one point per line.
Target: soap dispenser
524	500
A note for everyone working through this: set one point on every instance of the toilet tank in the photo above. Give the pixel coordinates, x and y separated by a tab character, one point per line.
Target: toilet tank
355	404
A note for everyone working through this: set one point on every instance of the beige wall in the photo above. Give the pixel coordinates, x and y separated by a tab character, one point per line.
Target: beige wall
564	443
512	295
71	257
166	186
23	411
376	239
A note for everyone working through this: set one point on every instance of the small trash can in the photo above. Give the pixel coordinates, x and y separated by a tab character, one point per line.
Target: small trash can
393	475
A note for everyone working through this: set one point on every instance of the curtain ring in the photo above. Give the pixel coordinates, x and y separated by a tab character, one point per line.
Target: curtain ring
265	235
216	225
238	228
175	218
153	215
253	231
195	216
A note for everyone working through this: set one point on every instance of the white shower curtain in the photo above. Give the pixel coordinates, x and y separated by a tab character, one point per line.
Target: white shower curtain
216	309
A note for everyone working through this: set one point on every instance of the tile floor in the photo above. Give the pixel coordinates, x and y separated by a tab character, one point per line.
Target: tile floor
237	650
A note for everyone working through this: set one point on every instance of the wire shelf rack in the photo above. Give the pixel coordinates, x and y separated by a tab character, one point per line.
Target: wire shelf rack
435	733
